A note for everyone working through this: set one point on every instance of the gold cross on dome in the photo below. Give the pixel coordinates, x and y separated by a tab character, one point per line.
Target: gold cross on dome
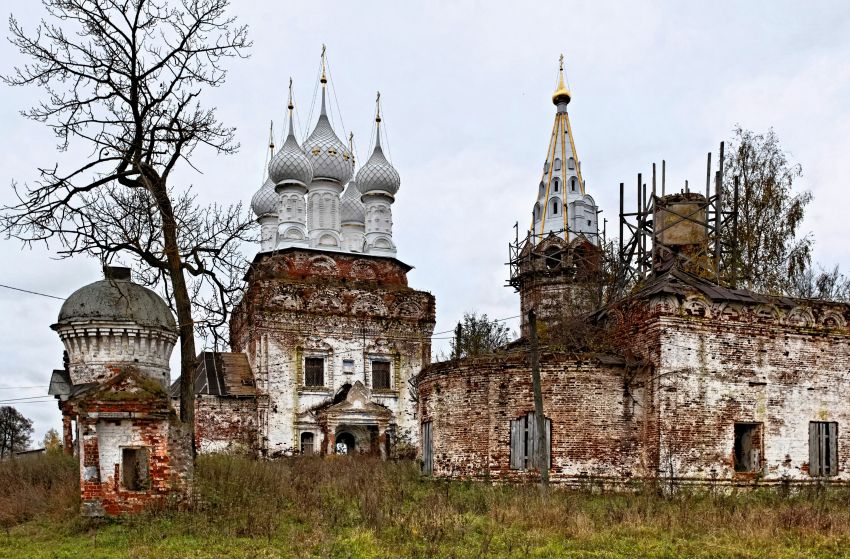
561	60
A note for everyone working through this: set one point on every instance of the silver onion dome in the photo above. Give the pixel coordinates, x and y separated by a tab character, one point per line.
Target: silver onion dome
265	200
290	164
351	208
329	156
378	175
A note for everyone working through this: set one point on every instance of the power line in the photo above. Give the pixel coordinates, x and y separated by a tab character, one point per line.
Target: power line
21	387
32	292
452	330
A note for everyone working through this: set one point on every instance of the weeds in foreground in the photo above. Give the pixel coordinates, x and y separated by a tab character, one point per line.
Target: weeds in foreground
307	507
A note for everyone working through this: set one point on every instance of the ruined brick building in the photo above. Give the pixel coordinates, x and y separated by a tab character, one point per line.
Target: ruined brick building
112	393
328	333
682	380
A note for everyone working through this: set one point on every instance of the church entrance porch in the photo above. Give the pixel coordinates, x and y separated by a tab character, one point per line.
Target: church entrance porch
355	425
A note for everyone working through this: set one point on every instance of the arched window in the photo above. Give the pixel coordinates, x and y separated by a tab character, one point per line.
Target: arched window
554	207
536	212
573	183
557	165
556	184
546	167
542	188
571	163
307	443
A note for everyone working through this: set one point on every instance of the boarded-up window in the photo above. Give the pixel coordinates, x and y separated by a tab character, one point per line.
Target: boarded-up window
823	448
314	371
524	442
380	374
748	447
427	449
307	443
134	469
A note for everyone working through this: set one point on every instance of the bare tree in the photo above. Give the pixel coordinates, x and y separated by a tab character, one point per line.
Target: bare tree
770	212
478	335
827	285
122	79
15	431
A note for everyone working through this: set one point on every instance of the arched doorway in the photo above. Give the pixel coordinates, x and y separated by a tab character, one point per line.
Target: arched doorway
345	444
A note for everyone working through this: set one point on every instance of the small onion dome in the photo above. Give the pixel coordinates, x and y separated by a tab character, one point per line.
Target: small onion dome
290	164
330	158
351	208
265	200
378	175
562	94
117	299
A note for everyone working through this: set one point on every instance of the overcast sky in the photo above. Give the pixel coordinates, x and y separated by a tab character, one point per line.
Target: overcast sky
466	91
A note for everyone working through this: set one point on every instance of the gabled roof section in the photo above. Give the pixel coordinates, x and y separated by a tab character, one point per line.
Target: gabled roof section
222	374
672	280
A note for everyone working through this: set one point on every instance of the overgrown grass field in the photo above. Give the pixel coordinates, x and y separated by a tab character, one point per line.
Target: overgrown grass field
365	508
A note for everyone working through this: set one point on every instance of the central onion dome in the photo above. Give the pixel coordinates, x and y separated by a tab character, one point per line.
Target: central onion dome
290	165
329	156
378	175
265	200
117	299
351	208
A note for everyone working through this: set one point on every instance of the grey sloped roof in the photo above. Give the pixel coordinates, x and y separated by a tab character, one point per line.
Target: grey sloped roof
672	280
264	201
221	374
60	383
351	208
117	299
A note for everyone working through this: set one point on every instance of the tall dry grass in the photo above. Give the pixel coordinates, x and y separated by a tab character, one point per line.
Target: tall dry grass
315	500
38	486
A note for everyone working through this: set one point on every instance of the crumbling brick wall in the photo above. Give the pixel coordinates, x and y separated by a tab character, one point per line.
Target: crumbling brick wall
597	420
225	424
342	307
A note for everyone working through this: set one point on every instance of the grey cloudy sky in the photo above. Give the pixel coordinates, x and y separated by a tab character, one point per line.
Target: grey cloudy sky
466	92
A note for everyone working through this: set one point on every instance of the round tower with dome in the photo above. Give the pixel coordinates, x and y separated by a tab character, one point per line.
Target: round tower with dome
112	323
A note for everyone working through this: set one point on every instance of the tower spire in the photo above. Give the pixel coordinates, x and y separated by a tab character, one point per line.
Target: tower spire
289	107
324	80
378	120
351	147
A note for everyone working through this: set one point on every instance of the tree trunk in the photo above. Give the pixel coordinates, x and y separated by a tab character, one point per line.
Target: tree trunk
542	457
183	306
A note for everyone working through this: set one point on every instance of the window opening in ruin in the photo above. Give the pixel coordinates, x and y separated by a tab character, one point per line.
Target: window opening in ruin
348	366
314	371
345	444
555	207
380	374
523	442
553	258
748	447
556	182
573	182
307	443
427	449
823	448
134	469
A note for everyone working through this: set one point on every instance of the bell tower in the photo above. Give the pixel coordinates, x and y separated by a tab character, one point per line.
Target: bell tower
555	268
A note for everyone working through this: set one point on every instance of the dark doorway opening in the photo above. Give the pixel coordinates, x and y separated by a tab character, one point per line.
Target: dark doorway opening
345	444
748	447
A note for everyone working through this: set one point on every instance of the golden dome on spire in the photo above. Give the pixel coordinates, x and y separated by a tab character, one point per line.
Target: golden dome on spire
562	94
